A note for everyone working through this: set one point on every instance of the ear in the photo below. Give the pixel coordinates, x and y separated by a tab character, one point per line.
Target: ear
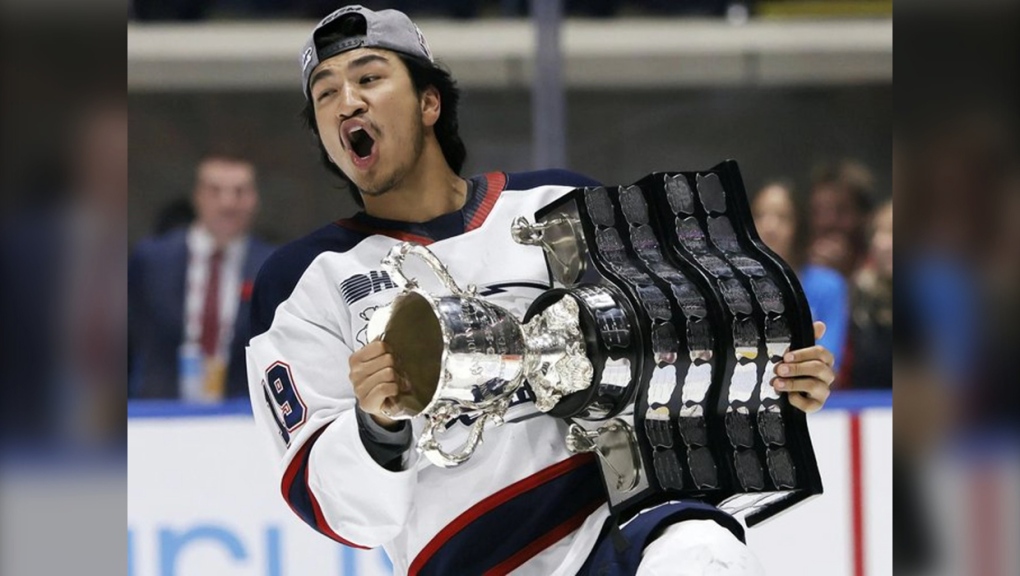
430	106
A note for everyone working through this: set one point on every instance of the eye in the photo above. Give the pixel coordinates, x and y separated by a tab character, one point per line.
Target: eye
325	94
368	78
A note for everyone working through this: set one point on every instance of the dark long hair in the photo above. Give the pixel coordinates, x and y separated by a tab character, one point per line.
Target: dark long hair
801	234
447	128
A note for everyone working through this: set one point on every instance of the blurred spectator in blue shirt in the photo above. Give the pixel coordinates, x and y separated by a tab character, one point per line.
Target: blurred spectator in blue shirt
840	203
779	219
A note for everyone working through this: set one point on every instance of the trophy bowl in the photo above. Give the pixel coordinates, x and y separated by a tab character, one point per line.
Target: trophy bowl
460	354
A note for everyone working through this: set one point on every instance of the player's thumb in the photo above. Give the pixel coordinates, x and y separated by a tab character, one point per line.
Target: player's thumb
819	330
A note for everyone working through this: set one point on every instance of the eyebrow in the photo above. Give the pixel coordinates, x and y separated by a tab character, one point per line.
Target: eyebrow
366	59
324	73
356	63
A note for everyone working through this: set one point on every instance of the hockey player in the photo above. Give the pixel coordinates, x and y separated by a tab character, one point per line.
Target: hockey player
386	119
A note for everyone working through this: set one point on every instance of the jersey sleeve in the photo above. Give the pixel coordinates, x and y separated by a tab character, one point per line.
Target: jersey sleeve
303	401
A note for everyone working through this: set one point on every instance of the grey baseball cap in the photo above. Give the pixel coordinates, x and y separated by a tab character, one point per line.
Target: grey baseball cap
358	27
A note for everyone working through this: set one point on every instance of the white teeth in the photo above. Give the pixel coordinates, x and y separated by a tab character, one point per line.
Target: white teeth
350	135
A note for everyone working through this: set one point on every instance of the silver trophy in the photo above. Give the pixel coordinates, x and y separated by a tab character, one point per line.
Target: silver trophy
667	315
466	356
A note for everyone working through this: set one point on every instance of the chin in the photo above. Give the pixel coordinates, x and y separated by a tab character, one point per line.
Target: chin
231	232
361	184
375	188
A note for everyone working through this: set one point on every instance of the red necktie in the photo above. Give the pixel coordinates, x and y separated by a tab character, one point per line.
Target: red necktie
211	308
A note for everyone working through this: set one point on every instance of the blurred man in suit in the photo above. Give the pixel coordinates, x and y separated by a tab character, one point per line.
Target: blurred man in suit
189	291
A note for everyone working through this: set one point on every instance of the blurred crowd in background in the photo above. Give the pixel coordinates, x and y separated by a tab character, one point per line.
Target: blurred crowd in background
190	281
838	237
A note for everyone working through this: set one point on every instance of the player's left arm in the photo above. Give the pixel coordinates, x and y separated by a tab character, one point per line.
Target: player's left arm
808	373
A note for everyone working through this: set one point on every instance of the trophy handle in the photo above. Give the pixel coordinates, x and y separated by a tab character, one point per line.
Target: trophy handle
528	234
561	239
533	233
393	264
433	450
616	447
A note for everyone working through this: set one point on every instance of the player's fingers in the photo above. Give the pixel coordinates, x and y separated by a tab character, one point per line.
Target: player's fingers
815	352
819	330
377	397
805	403
369	351
815	389
809	368
363	370
388	374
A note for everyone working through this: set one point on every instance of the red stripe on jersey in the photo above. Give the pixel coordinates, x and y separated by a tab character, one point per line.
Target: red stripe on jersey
495	500
295	464
495	182
351	224
290	475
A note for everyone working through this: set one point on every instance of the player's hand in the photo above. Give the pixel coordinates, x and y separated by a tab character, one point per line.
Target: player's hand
808	373
377	381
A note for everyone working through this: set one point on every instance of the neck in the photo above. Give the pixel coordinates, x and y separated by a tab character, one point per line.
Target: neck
429	189
220	241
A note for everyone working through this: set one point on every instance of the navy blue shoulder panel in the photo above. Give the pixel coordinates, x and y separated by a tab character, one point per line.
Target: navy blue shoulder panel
551	177
285	266
607	559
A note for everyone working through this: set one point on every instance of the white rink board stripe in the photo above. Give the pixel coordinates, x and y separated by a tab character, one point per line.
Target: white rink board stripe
203	499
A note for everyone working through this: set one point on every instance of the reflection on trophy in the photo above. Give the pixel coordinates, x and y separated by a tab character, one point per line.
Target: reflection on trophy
466	356
657	345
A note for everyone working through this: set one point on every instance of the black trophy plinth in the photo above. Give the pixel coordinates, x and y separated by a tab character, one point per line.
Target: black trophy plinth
708	311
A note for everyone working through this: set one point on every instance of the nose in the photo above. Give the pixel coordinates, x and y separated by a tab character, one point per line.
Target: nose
351	102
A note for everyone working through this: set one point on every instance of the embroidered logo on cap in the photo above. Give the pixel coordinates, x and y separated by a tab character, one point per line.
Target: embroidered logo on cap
421	42
306	58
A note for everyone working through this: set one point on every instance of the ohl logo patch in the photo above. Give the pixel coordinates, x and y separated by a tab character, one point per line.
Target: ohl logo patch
360	286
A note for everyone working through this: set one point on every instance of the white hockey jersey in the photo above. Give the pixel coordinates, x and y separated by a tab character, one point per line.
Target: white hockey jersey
522	502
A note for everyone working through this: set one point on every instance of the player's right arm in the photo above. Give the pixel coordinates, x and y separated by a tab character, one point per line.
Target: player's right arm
300	382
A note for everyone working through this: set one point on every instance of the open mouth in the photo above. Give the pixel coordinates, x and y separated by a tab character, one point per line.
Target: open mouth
361	143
